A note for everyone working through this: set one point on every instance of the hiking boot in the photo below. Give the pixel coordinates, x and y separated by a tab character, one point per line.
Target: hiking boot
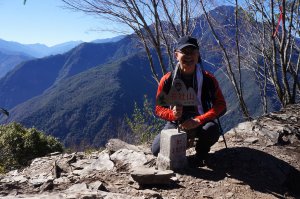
196	161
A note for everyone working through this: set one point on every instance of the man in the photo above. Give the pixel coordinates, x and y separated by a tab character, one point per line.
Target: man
197	121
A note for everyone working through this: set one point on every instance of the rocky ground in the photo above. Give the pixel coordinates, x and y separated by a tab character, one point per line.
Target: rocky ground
262	161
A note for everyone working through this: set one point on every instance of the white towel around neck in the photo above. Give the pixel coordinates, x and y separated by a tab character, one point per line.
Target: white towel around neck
199	76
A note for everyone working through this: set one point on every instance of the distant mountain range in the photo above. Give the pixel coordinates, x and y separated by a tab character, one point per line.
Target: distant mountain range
9	61
13	53
35	50
41	50
81	96
108	40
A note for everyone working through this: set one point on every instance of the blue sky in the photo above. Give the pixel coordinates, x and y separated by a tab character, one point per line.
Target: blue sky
47	22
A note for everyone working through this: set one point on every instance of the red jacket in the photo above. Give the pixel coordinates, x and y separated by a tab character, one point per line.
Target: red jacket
213	101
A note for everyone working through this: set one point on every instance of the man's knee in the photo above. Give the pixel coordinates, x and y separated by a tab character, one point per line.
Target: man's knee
155	148
212	130
170	125
209	135
211	126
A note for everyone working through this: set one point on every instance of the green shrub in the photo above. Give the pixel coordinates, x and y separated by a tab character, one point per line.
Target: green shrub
19	145
143	122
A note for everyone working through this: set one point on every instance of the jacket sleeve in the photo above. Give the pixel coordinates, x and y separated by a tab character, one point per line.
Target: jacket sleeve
218	104
161	111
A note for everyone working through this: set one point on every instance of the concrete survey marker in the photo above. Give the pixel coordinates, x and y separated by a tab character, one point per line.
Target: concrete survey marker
178	95
172	153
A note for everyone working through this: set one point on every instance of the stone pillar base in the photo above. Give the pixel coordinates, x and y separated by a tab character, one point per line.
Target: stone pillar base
172	153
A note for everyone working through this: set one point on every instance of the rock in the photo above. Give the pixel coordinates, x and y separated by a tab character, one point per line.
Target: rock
281	127
108	195
175	179
237	140
77	172
245	126
72	159
47	186
103	163
64	164
130	158
13	173
83	195
145	176
54	153
87	194
62	180
78	188
151	161
150	193
229	195
251	140
20	179
97	185
56	170
271	133
40	167
114	145
80	164
36	182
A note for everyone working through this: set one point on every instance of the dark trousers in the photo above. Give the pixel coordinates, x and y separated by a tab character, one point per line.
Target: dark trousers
207	134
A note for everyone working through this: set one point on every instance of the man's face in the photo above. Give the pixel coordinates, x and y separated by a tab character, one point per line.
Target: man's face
187	57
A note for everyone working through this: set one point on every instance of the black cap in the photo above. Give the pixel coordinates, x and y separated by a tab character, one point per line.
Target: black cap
186	41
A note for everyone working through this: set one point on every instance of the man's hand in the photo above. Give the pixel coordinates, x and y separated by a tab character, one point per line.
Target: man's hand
190	124
177	111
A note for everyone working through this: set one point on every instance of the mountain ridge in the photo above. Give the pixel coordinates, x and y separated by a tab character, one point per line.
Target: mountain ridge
57	67
9	61
35	50
16	52
41	50
95	94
